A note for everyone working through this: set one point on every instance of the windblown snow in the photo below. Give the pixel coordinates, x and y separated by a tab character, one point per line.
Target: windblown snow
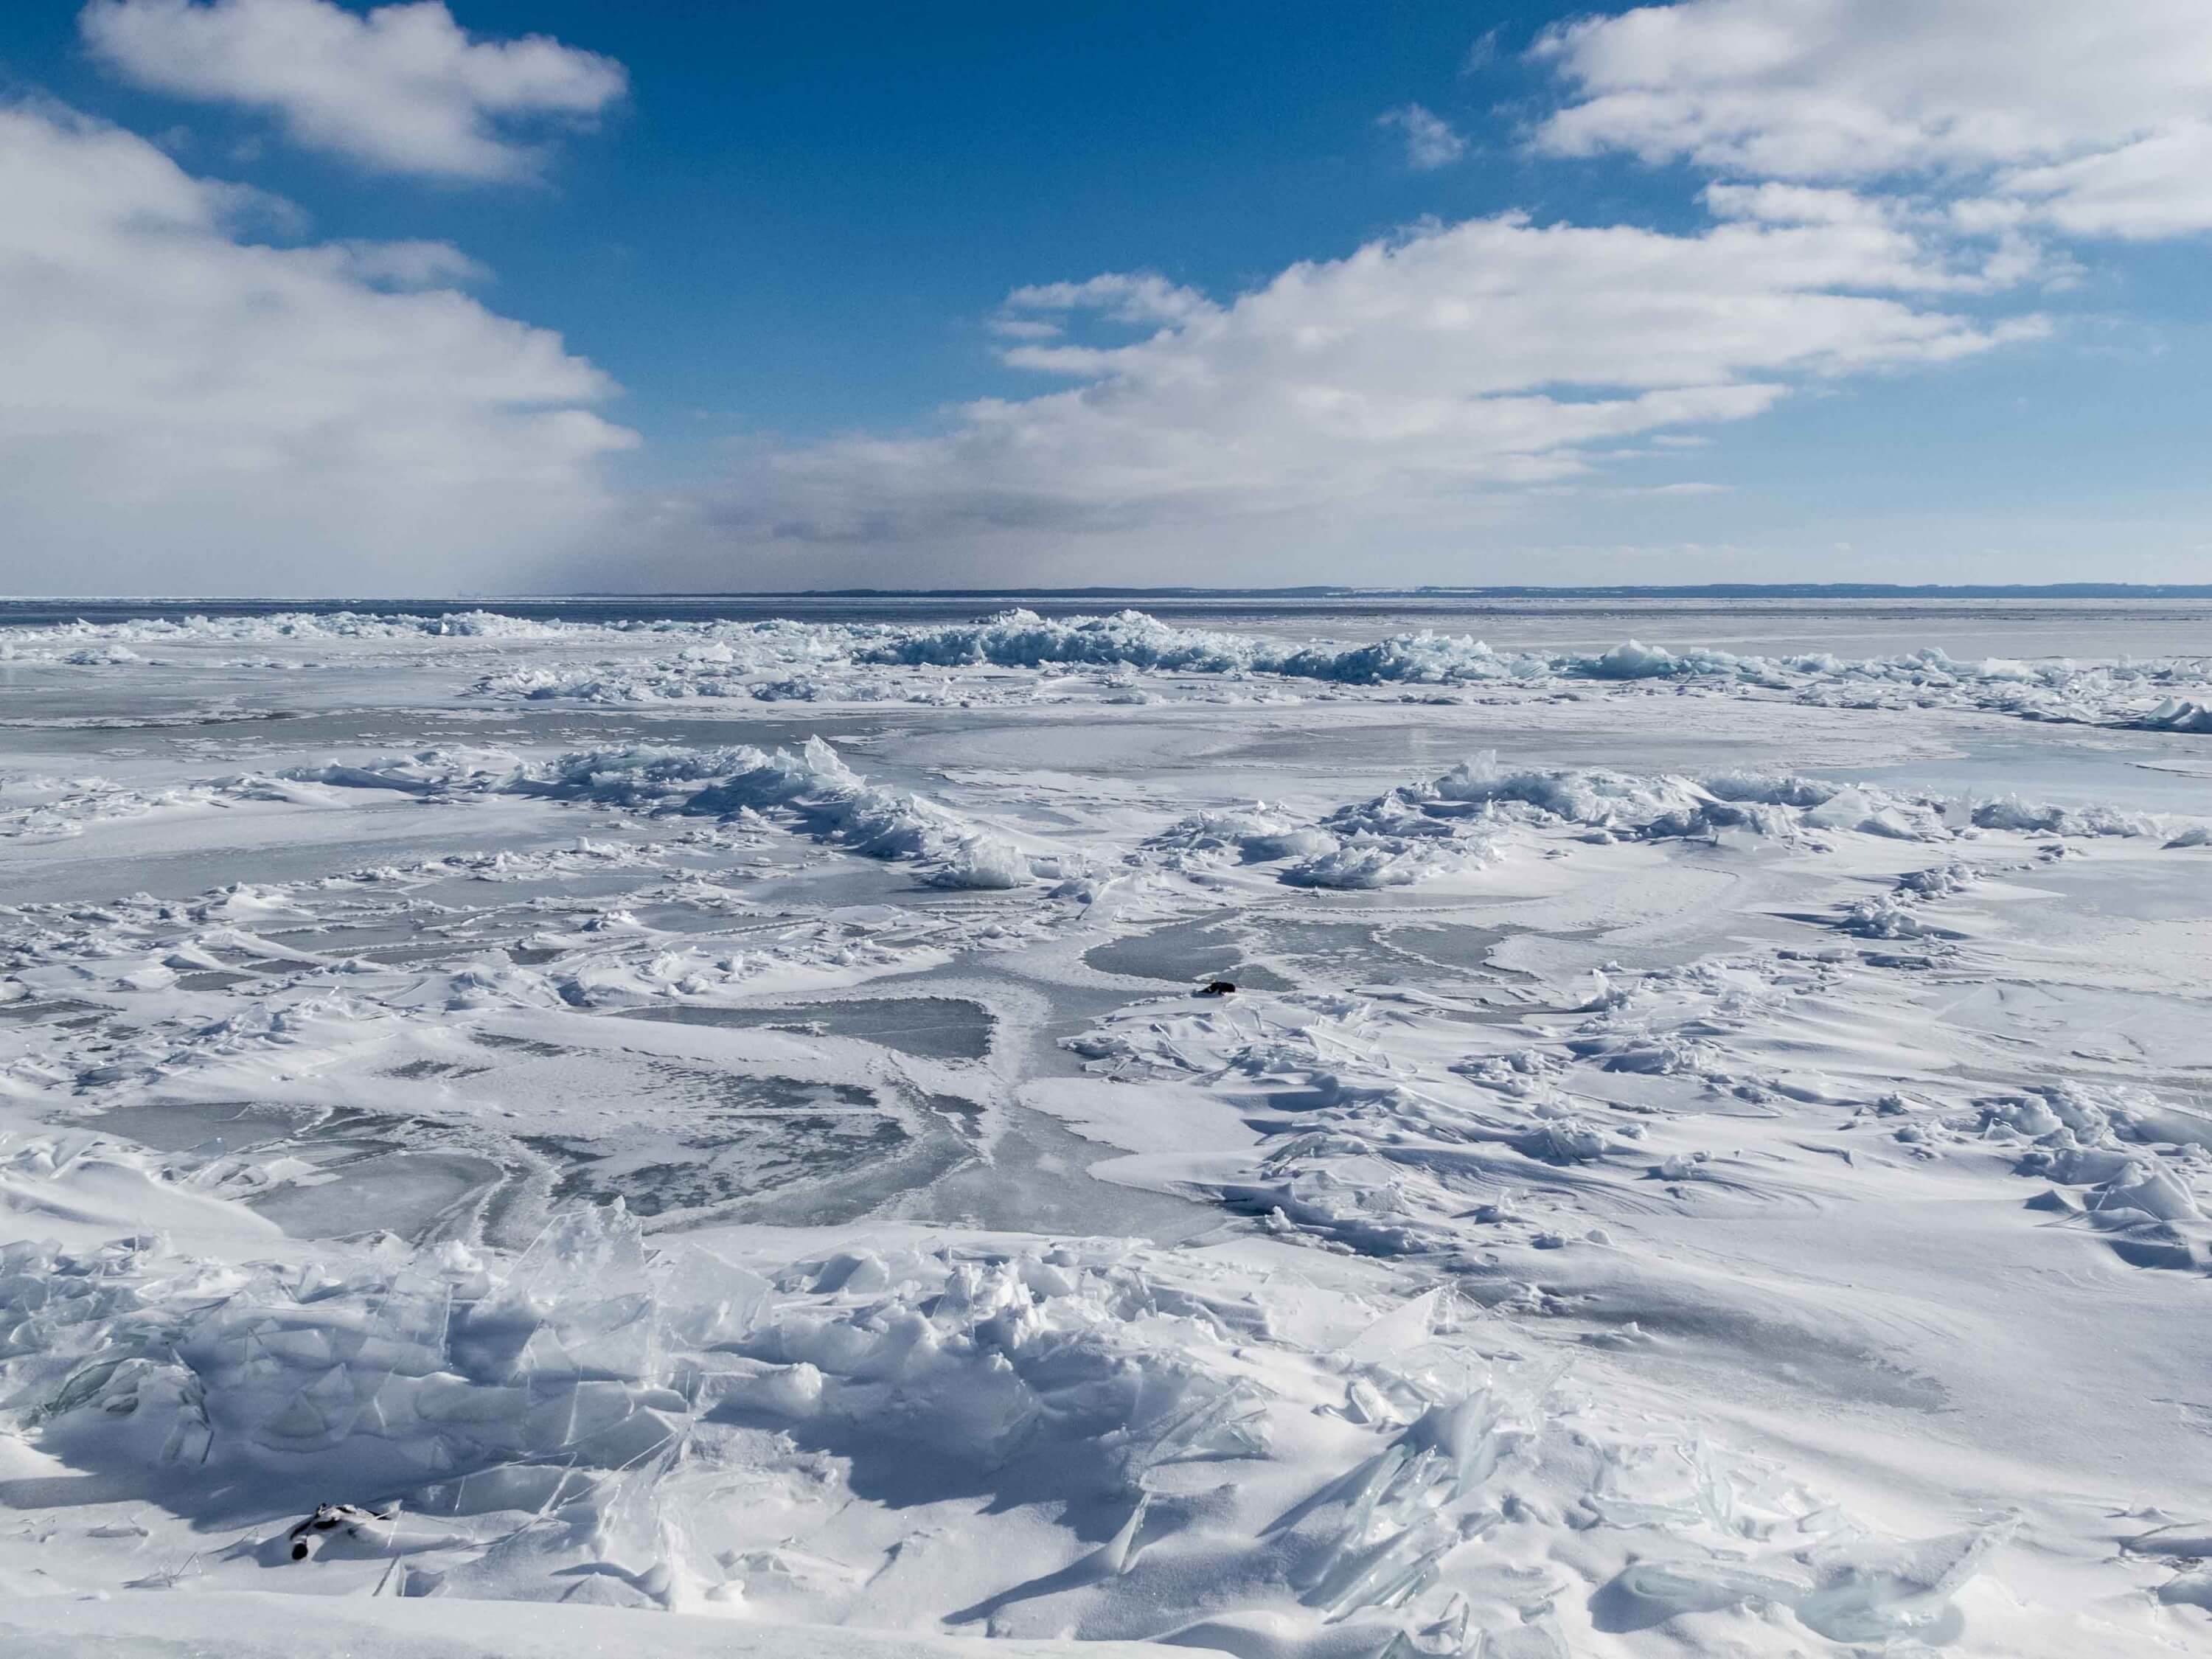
879	1137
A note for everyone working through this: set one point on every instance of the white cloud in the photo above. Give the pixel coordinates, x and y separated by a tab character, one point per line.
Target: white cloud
410	264
2095	119
1797	204
1962	246
401	89
1405	383
2159	185
1023	328
1431	142
184	410
1126	297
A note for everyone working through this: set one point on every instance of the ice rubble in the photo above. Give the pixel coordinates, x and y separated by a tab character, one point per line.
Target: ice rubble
812	789
2043	818
2176	714
815	788
1120	1443
1899	913
780	659
2140	1159
388	1371
384	1370
1862	1596
2164	694
295	625
1456	823
514	1422
575	1409
1633	805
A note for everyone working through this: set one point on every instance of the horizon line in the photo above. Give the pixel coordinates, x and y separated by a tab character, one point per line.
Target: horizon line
1305	590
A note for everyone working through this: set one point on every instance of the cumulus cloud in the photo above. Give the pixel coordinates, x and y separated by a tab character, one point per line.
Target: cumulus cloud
1878	175
1431	142
2157	185
2092	119
401	89
185	410
1407	380
1881	174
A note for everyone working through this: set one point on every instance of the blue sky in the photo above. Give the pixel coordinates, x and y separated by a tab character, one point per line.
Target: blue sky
777	244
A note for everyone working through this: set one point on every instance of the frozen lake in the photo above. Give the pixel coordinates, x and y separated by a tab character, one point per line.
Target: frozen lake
718	1107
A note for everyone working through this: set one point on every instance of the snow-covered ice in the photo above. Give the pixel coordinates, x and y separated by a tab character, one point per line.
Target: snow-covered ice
717	1124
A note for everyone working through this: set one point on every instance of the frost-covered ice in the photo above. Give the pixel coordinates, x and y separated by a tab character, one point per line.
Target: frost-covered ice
1131	657
1708	1153
772	662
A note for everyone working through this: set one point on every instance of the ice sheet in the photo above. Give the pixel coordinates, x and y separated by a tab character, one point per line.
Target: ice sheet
713	1118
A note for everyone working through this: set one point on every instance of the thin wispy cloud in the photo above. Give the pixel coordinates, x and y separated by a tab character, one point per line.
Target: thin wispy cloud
1124	297
1430	140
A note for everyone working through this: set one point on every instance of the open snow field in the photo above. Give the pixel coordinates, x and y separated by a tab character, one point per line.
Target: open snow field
717	1119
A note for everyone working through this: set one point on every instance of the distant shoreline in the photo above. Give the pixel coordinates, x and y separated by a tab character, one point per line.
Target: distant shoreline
1705	591
1736	591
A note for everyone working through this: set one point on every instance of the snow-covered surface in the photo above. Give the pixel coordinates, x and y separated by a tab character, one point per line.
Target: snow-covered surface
252	1624
1129	656
716	1126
